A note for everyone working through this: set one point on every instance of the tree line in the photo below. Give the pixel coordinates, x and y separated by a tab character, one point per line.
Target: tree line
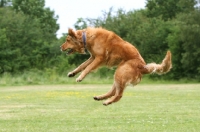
28	35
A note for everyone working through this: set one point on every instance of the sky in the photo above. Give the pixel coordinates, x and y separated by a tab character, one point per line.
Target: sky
70	10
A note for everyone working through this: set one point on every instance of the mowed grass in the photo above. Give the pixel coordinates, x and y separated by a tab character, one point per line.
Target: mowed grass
71	108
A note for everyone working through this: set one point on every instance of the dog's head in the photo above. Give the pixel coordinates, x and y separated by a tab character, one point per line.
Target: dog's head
73	43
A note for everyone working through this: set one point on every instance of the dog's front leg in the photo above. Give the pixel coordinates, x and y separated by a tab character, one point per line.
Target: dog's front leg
95	64
81	67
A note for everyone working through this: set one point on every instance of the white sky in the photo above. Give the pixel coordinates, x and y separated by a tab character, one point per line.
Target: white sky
70	10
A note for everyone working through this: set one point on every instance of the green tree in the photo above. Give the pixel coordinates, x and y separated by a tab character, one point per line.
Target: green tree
168	9
46	27
4	3
190	32
185	44
10	28
35	10
26	46
176	47
4	51
81	23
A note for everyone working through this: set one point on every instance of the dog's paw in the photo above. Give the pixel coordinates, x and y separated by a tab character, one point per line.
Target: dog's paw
106	103
78	79
96	98
71	74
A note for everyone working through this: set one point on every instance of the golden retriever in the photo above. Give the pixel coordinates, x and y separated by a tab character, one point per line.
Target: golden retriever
108	49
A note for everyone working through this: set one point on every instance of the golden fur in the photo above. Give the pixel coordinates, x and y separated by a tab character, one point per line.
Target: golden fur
107	48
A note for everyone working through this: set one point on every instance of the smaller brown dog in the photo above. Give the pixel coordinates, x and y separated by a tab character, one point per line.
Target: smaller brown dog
106	48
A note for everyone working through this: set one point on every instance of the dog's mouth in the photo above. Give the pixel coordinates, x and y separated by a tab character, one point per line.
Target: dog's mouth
69	51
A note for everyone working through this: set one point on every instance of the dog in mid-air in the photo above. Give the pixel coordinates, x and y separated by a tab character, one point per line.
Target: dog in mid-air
108	49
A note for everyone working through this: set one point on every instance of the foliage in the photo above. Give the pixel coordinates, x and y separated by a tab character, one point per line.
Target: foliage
5	3
26	41
28	36
185	44
35	10
168	9
80	24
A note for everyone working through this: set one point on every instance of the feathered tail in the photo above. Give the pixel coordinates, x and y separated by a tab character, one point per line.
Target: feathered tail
162	68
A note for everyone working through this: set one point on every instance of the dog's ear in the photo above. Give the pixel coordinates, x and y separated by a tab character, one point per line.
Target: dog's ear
71	32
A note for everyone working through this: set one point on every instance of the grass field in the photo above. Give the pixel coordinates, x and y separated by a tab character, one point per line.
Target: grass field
70	108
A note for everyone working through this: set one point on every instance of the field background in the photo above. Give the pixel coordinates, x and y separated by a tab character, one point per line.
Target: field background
70	108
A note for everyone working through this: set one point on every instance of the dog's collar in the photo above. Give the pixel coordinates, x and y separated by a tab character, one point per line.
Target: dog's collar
84	39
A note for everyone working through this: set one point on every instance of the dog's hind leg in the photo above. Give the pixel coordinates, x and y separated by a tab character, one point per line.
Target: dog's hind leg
125	74
107	95
122	76
119	89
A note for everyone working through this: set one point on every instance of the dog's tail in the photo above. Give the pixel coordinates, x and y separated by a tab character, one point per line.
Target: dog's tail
162	68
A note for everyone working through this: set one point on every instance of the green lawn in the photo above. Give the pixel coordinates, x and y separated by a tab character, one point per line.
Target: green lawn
70	108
